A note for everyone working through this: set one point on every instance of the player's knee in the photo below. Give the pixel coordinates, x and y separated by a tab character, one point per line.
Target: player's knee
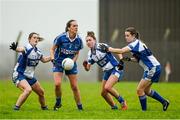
28	90
139	91
74	88
107	88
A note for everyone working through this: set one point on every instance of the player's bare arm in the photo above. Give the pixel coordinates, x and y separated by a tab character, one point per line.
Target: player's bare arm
52	50
119	51
76	57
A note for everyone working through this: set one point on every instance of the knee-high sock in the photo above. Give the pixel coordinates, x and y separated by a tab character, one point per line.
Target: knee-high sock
156	96
142	100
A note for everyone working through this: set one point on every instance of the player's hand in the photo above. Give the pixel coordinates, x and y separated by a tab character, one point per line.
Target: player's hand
104	47
121	65
85	65
13	46
126	58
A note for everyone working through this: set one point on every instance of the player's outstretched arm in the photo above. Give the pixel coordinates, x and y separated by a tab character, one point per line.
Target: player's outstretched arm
14	46
119	51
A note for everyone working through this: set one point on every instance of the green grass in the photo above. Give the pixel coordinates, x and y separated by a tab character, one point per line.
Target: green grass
94	105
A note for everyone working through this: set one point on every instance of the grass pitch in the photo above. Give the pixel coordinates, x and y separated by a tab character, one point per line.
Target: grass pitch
94	105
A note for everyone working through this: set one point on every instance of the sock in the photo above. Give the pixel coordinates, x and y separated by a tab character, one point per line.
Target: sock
16	107
120	99
142	100
44	108
58	101
114	107
79	106
156	96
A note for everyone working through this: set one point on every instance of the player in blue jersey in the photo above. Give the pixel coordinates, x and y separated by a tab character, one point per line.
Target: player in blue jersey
152	68
23	75
66	45
113	70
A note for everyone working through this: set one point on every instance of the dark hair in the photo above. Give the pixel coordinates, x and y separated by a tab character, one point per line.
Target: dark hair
91	34
68	24
133	31
31	34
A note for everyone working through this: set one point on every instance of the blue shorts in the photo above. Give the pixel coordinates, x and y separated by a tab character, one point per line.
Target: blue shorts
113	71
17	77
59	68
152	74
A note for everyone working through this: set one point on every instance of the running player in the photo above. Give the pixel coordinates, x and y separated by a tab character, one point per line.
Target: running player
66	45
152	68
23	75
113	70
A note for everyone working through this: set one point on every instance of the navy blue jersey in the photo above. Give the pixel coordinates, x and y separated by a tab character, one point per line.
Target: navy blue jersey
66	48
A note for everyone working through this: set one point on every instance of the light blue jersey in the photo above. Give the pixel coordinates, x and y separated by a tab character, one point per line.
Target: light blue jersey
106	61
67	48
149	63
27	61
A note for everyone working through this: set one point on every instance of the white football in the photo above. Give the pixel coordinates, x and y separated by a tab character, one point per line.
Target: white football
67	63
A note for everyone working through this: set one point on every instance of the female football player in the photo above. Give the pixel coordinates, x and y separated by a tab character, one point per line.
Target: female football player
113	70
66	45
152	68
23	75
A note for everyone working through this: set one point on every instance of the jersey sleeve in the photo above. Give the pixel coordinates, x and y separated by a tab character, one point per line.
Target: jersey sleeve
27	48
81	44
90	60
57	41
40	54
133	46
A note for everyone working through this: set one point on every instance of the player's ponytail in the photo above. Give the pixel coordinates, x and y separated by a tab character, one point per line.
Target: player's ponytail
31	34
133	31
68	24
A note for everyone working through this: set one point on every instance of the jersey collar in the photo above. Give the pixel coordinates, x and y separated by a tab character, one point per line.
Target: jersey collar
67	35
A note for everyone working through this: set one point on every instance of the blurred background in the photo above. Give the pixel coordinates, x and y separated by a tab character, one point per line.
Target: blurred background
158	22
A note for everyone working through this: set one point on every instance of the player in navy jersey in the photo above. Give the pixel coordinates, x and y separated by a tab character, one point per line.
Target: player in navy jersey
66	45
23	75
113	70
152	68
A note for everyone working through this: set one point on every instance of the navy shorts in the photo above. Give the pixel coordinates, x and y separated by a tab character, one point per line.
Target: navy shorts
114	71
152	74
59	68
17	77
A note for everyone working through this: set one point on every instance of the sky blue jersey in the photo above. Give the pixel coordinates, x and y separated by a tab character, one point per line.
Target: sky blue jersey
67	48
104	59
27	61
143	54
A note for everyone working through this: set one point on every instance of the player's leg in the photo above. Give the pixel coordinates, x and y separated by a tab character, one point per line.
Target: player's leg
26	88
113	79
58	93
156	96
141	94
36	87
107	96
75	89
